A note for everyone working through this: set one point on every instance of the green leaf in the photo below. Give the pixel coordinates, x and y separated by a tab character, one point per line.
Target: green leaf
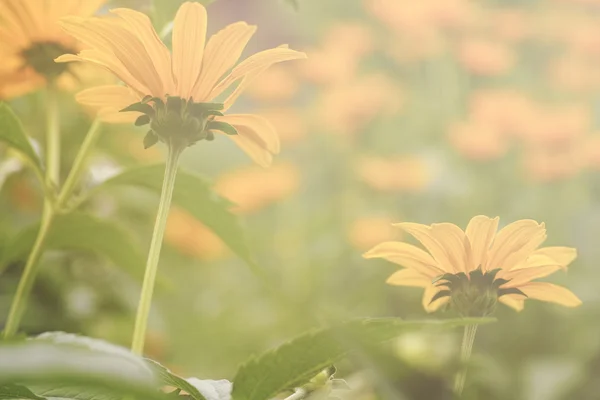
168	378
150	139
194	194
79	231
11	391
12	133
222	126
73	372
296	362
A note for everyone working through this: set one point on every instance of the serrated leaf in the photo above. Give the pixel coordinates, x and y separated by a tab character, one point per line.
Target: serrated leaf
168	378
296	362
79	231
73	372
11	391
12	133
194	194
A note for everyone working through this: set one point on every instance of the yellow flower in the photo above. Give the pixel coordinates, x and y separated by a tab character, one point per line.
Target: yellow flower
173	91
475	268
30	40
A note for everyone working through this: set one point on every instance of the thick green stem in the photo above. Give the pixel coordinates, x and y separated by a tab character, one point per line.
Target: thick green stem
17	308
77	168
143	311
465	355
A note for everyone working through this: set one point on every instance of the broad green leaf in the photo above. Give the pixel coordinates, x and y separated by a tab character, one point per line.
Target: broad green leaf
78	231
296	362
168	378
12	133
194	194
67	371
10	391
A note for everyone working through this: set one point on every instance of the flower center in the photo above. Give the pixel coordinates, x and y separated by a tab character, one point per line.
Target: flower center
473	295
179	122
40	56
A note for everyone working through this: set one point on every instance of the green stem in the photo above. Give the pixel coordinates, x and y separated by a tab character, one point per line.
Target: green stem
77	168
52	140
17	308
465	355
143	311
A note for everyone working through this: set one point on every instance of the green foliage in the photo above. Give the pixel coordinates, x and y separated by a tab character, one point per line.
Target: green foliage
79	231
296	362
12	133
194	194
11	391
168	378
73	372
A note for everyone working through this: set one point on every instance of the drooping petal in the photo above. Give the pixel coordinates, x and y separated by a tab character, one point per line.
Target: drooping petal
514	301
258	154
255	128
408	277
222	51
481	231
257	62
408	256
431	291
455	243
156	49
549	292
108	101
514	243
424	235
189	36
519	277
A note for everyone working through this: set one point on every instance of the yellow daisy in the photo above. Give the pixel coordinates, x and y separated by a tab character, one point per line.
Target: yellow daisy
475	268
30	40
174	91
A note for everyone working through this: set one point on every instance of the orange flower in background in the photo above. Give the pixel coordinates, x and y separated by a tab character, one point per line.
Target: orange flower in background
560	125
251	188
410	174
278	83
485	57
478	141
197	72
345	109
366	232
475	268
544	165
30	40
191	237
510	24
337	58
589	151
289	122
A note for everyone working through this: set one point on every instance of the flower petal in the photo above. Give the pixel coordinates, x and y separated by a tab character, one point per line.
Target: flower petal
431	291
481	231
156	49
521	276
255	64
408	277
108	101
514	301
514	243
408	256
222	51
255	128
455	243
562	256
549	292
423	234
189	36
